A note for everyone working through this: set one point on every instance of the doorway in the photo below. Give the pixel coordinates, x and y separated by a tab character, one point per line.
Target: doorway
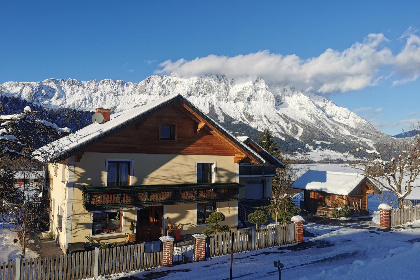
149	223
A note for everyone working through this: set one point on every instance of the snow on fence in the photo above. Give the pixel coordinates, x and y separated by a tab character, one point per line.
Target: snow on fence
249	239
82	265
405	215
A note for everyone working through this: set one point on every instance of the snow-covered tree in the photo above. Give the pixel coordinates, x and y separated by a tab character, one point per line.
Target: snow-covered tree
23	200
396	168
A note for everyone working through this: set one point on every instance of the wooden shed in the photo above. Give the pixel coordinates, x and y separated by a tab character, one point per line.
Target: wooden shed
326	190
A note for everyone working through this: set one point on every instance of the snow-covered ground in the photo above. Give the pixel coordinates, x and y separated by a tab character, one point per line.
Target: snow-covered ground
340	250
9	250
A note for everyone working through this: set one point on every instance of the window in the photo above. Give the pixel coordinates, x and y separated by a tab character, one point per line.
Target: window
118	173
167	132
204	210
60	218
107	222
205	173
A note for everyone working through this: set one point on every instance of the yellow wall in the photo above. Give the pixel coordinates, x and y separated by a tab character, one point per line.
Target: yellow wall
153	169
186	214
58	183
148	169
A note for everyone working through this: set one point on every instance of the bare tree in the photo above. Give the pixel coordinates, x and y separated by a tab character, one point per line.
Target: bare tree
396	168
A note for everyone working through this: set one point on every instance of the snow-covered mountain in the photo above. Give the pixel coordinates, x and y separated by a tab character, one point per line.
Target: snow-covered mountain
303	122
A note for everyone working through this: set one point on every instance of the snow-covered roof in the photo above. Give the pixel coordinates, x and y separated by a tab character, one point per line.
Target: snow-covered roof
74	142
330	182
415	193
31	175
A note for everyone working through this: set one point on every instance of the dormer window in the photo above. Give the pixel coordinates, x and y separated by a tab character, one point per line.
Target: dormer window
167	132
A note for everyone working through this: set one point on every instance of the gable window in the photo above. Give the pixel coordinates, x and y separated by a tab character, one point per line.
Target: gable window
107	222
205	173
167	132
118	173
204	210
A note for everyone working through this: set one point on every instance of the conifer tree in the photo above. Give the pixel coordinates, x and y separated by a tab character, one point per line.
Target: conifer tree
281	206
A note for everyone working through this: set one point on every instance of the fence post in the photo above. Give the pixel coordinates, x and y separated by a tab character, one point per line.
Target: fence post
253	238
385	215
96	264
168	250
298	221
18	268
199	247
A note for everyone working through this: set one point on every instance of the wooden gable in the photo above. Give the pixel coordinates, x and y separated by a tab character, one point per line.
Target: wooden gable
193	136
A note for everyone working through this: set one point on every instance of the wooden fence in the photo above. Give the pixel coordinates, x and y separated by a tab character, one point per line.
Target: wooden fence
102	262
405	215
82	265
249	239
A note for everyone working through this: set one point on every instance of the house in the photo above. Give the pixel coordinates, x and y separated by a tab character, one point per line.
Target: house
326	190
133	174
257	178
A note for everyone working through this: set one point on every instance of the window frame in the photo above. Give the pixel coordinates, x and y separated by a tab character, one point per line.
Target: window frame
213	171
130	170
172	136
107	230
215	209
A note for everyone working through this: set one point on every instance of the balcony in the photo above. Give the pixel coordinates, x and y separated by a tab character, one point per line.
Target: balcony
96	198
254	170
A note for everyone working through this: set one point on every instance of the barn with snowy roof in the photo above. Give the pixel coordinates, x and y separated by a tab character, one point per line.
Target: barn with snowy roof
326	190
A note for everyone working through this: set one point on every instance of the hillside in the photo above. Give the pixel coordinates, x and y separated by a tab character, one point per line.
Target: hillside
303	122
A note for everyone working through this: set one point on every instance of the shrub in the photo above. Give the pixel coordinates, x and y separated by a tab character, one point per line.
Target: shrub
258	217
340	212
214	228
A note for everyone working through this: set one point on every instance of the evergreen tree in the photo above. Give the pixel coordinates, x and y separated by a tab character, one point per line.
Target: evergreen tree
258	217
214	228
269	143
281	206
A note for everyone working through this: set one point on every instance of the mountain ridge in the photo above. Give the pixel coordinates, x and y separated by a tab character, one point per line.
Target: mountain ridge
303	122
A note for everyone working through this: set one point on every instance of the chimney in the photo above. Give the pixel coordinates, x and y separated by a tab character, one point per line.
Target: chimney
105	112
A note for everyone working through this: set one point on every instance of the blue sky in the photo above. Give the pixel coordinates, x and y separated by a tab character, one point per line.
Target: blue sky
363	55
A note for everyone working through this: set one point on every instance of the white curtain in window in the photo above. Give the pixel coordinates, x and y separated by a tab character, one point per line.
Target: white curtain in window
124	166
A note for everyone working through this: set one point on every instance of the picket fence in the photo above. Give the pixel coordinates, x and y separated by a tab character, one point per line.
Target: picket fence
102	262
405	215
249	239
82	265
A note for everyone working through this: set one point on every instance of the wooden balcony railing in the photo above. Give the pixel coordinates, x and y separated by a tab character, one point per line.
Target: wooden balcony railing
138	196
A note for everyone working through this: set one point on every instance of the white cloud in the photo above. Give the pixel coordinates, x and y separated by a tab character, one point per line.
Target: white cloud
397	126
368	112
150	62
407	62
333	71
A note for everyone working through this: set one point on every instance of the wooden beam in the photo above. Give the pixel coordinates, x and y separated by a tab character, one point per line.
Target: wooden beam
220	135
239	157
200	126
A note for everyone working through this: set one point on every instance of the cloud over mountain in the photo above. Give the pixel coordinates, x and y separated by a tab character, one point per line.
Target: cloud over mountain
361	65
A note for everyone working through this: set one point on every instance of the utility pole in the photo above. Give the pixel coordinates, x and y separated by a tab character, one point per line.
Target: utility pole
231	254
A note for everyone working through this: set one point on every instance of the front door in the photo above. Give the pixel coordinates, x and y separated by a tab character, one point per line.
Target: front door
149	223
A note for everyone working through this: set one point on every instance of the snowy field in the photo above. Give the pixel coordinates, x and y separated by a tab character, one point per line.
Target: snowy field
340	250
